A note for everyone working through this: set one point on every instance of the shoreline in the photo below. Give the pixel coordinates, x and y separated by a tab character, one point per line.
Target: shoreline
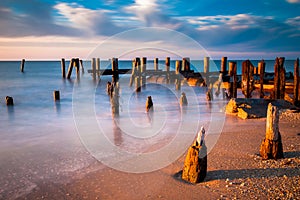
234	171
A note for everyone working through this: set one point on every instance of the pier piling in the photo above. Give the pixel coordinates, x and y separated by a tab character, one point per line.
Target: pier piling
261	71
56	95
296	82
63	68
22	65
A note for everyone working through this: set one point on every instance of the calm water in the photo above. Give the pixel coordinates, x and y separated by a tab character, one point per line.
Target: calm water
44	141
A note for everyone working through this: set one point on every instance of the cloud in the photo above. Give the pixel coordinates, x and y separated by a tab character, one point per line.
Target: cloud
20	19
92	22
293	1
244	30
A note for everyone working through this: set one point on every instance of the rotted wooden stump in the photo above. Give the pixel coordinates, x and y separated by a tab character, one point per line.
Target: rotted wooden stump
56	95
9	101
149	104
195	164
183	100
271	146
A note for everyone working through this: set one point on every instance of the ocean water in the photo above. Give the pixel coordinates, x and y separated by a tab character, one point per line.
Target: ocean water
42	141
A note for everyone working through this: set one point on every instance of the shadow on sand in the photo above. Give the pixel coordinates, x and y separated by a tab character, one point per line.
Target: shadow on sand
249	173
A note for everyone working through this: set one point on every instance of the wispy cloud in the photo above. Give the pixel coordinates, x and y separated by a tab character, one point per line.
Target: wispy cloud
91	22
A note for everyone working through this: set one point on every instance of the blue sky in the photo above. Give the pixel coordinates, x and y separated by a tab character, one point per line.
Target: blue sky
44	29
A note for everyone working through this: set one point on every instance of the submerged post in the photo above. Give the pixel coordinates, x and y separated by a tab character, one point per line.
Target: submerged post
296	82
133	73
167	69
206	65
56	95
206	70
115	104
137	79
70	68
115	70
143	71
98	67
155	62
186	64
93	65
63	68
77	66
9	101
81	65
22	65
177	75
261	71
271	146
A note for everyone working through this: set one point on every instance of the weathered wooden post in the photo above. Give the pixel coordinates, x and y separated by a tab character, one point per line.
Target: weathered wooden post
56	95
115	70
143	71
177	74
81	65
133	73
63	68
261	71
282	78
22	65
167	70
233	80
138	74
70	68
279	79
183	100
93	65
155	63
206	70
98	67
296	82
115	104
9	101
224	65
195	164
271	146
234	88
186	66
247	78
77	66
149	104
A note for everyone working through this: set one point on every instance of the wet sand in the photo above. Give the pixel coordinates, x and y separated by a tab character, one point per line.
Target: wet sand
234	171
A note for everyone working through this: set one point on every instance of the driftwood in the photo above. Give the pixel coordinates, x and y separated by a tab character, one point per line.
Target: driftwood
271	146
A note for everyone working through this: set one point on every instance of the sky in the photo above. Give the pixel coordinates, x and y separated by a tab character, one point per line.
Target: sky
238	29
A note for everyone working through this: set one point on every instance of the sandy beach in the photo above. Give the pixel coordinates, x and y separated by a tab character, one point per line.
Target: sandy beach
235	171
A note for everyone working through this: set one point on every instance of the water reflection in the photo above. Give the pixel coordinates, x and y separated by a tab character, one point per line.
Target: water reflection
117	132
11	112
57	107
